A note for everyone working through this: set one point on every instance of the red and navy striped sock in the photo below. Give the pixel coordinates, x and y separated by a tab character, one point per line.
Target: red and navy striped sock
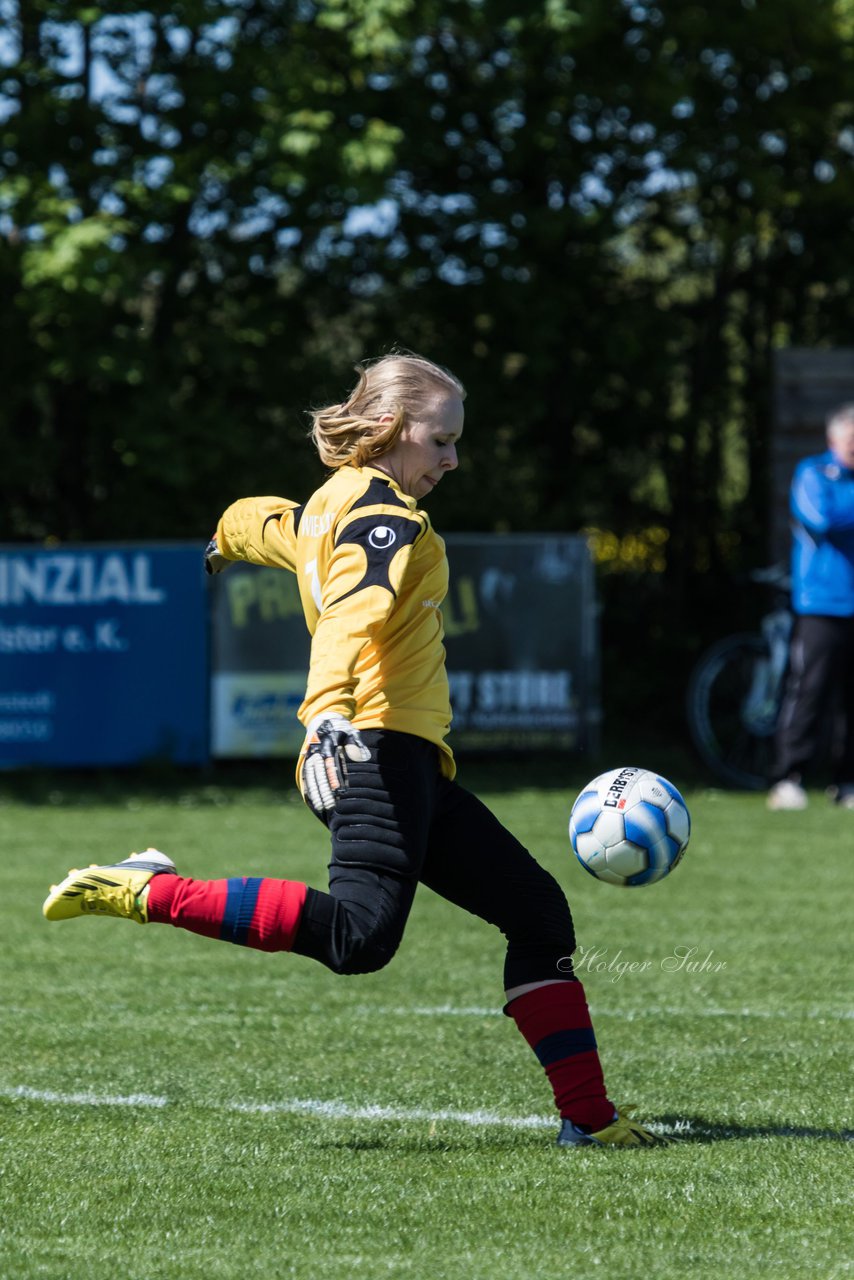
555	1021
251	911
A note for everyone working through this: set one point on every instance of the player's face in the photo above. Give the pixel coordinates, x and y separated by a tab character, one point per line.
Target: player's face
842	444
426	448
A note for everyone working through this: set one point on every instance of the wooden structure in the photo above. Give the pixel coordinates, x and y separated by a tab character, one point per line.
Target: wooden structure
808	384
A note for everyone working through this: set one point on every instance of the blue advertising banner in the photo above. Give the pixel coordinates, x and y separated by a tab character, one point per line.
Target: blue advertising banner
103	655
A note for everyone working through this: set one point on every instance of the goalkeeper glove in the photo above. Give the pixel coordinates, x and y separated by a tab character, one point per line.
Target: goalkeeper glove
214	562
330	742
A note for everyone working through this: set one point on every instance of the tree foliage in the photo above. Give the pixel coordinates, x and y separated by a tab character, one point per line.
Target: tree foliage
603	215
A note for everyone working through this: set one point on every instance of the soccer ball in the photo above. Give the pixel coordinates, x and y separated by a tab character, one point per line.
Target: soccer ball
629	827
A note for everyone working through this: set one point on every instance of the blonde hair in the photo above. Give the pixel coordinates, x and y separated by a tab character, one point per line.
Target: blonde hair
394	384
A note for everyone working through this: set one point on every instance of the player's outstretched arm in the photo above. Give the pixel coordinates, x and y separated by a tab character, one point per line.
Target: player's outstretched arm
258	530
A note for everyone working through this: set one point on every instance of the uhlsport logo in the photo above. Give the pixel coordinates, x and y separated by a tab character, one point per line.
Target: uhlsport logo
381	538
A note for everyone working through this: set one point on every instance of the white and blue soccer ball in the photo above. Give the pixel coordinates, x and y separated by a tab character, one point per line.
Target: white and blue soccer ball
629	827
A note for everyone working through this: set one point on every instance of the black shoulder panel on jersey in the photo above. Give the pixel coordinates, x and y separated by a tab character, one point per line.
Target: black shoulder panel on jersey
380	537
277	515
379	493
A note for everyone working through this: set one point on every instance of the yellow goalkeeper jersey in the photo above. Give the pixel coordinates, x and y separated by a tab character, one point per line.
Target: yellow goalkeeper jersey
372	574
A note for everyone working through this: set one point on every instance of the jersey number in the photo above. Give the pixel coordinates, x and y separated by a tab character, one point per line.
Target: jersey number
311	570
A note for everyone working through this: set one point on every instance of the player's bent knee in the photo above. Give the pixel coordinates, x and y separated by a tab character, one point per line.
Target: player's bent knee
352	936
363	955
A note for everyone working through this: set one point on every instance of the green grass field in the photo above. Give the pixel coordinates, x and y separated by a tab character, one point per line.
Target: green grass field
178	1109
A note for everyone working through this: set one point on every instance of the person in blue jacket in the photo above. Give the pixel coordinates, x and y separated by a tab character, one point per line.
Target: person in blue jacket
820	677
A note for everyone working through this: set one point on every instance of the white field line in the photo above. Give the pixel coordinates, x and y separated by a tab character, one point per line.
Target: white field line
344	1111
629	1015
328	1110
286	1106
331	1110
85	1098
202	1010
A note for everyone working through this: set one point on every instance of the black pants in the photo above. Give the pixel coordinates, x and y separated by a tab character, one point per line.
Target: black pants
819	688
400	823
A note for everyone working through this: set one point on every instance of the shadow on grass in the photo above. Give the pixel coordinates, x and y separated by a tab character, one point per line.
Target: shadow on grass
154	782
700	1129
682	1130
227	782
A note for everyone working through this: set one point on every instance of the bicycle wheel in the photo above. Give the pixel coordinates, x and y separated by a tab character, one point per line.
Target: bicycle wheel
732	706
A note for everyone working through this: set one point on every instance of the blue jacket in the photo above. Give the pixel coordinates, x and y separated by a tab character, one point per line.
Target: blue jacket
822	507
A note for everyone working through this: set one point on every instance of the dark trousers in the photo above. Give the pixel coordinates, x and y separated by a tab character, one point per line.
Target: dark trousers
400	823
819	690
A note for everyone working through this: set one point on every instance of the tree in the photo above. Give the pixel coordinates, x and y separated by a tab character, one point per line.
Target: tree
603	216
173	187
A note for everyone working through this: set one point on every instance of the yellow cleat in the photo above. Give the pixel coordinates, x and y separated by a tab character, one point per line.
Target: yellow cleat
623	1131
115	890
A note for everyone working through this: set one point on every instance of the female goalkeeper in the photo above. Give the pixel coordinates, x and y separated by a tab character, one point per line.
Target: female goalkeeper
375	766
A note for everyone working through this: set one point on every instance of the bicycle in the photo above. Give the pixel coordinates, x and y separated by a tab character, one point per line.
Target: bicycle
735	691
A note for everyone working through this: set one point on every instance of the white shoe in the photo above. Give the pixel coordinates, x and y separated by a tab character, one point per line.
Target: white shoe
787	794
